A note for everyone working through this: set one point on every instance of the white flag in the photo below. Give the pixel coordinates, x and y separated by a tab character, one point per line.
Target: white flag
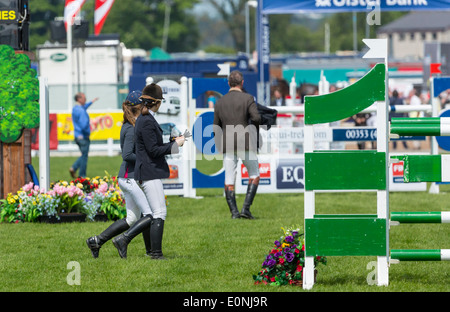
71	9
377	48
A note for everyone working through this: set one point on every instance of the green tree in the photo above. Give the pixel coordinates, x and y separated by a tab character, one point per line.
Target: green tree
139	23
341	29
288	37
41	13
19	95
232	13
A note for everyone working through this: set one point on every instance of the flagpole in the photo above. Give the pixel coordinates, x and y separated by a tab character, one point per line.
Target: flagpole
69	62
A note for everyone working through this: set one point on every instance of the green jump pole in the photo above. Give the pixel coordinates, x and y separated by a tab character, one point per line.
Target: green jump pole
419	120
421	217
409	129
428	126
420	254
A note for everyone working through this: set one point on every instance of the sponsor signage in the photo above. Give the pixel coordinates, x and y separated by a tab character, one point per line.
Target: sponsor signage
8	16
397	172
329	6
58	57
264	174
291	173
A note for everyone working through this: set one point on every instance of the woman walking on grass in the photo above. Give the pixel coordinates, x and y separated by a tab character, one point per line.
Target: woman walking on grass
136	203
151	167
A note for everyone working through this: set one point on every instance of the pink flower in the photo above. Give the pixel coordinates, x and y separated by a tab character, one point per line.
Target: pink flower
28	187
102	188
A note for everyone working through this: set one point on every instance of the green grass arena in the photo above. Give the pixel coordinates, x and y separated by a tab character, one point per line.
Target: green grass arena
207	251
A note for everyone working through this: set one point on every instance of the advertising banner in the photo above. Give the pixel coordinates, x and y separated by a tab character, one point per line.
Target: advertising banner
53	138
336	6
103	126
284	174
169	118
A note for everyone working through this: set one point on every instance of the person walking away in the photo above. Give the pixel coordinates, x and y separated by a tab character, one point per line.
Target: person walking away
135	201
151	166
237	139
82	132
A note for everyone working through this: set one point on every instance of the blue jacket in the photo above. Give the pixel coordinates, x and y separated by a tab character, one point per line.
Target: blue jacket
80	119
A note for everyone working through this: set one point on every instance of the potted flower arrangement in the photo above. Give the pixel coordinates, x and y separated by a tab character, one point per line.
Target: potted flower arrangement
80	199
107	198
285	261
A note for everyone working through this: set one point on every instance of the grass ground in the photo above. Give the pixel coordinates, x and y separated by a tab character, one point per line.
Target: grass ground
207	251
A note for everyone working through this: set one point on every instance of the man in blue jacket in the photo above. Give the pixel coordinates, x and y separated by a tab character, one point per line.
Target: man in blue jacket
82	132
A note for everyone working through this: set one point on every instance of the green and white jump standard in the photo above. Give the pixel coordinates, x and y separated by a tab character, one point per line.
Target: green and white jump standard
347	235
365	234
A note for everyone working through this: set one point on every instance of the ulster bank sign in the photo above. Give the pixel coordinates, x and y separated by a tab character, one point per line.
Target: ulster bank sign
327	6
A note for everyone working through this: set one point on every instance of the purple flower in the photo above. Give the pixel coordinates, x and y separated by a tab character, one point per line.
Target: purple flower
277	243
271	263
289	239
278	254
294	233
289	256
287	249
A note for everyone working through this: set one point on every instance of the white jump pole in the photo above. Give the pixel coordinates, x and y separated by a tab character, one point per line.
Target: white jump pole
44	135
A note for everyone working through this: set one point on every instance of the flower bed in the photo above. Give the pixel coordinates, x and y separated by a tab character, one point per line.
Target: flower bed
89	196
284	263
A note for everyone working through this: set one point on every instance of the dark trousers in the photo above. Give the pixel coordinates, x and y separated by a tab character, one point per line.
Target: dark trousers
81	162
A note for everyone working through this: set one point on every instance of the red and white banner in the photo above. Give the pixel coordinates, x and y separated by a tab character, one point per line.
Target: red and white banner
102	8
71	9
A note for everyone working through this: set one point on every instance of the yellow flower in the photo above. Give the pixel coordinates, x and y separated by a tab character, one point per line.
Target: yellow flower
64	183
80	186
285	245
16	197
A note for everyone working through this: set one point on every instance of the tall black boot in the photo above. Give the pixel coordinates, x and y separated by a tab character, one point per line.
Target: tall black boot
251	192
147	241
95	242
121	242
156	235
230	196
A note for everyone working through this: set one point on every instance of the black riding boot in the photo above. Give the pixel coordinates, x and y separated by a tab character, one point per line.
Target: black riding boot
121	242
251	192
156	235
147	241
230	196
95	242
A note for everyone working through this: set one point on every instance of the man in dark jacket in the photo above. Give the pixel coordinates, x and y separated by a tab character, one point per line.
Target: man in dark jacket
237	139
